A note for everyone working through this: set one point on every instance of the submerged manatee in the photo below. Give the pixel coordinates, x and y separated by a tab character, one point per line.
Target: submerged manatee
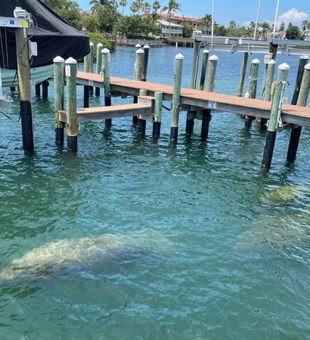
280	195
69	255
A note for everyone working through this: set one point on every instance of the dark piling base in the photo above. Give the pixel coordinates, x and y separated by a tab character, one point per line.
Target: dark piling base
156	130
97	91
189	126
27	128
59	136
263	124
86	95
12	88
38	90
141	127
206	117
135	119
174	135
72	143
91	90
248	122
293	145
107	102
45	89
268	151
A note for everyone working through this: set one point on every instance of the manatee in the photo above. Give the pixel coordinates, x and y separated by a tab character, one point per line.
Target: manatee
280	195
277	232
75	255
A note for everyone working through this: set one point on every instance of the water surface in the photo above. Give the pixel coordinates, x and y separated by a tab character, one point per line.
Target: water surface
230	245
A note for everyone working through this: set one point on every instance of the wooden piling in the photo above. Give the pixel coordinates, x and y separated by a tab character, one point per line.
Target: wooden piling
23	71
205	57
45	85
87	68
303	60
275	115
266	94
178	68
302	101
72	127
157	114
58	98
146	49
211	73
98	65
267	59
138	73
197	45
106	69
242	73
206	114
252	88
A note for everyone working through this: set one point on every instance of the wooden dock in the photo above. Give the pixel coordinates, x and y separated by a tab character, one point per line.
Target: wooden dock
213	101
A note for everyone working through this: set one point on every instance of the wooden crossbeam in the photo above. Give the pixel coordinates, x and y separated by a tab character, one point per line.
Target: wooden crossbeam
205	100
143	108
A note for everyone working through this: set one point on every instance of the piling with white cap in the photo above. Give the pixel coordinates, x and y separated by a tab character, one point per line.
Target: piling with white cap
176	97
59	64
275	115
252	88
98	65
302	101
72	127
137	75
106	70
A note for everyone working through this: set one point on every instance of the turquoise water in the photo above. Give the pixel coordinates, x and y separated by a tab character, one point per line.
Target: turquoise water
211	247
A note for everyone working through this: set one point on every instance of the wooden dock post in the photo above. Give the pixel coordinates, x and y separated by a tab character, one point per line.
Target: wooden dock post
303	60
106	60
98	65
252	88
211	73
87	68
266	95
23	71
242	73
191	114
138	73
195	62
178	68
157	114
205	57
141	121
302	101
206	114
72	127
146	49
275	115
59	64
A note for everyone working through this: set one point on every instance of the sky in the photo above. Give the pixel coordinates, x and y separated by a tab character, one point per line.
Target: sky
242	11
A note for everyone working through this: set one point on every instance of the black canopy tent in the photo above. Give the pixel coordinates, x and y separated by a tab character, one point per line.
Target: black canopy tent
53	35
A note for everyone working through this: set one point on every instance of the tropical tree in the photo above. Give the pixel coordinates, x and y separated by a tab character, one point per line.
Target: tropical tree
95	4
146	8
305	25
156	6
171	8
69	10
123	4
292	32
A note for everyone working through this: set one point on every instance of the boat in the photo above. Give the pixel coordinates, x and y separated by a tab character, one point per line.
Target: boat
53	37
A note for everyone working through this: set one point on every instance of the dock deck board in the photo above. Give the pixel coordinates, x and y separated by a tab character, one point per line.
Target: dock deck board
215	101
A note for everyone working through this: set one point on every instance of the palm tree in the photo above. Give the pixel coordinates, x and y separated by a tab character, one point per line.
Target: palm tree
305	24
146	8
156	6
95	4
123	4
171	8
